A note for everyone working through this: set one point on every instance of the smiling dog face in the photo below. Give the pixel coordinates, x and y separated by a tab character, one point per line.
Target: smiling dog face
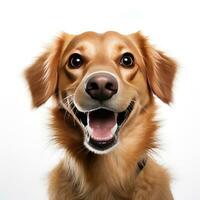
103	81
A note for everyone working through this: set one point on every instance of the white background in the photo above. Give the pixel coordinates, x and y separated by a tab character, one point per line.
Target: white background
26	151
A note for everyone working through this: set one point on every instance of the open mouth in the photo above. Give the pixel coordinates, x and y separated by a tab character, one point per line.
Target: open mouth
102	127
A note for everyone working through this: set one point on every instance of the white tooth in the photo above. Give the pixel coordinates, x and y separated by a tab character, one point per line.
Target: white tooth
113	130
89	129
88	119
88	138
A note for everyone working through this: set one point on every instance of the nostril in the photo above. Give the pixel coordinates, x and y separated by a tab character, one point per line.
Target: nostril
110	86
93	86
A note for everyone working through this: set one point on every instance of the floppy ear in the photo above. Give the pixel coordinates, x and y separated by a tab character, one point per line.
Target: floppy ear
160	69
42	75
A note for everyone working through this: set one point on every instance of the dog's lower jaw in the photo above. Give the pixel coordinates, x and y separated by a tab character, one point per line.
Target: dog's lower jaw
100	152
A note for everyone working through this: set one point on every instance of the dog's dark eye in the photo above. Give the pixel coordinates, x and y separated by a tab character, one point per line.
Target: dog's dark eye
127	60
75	60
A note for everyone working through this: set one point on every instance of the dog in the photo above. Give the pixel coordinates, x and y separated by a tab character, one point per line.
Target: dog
103	88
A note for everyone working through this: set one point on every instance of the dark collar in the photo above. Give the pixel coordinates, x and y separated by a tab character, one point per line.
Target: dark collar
140	165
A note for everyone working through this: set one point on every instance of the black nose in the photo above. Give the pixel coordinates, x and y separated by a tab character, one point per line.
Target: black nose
101	86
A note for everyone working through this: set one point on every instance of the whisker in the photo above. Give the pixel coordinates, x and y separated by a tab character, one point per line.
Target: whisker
67	97
68	102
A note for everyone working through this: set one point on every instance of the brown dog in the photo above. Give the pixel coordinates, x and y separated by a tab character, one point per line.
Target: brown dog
105	84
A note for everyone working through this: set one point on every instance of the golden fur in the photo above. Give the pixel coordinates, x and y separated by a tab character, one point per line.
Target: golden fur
83	175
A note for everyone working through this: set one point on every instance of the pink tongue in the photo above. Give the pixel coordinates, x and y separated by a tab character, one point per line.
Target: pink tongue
101	122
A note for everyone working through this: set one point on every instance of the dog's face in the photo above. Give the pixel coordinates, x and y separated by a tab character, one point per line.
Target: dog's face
103	81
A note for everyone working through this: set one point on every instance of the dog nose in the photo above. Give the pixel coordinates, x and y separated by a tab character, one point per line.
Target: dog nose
101	86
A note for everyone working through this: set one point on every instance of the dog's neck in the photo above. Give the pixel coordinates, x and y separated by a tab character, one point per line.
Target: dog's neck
120	164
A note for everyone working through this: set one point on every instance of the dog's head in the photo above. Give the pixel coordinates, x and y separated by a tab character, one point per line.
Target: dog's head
102	80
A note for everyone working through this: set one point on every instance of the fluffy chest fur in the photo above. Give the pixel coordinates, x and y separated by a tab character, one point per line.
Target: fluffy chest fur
69	181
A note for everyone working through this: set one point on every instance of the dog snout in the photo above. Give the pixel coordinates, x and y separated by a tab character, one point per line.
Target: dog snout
101	86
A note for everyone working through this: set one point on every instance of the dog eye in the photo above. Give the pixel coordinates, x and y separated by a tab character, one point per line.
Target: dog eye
75	60
127	60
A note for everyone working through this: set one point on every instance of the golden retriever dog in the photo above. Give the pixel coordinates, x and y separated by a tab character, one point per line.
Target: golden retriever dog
103	88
